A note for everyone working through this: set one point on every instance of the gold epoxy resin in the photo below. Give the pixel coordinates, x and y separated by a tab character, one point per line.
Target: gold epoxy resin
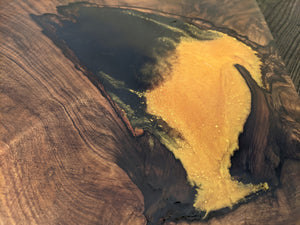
206	99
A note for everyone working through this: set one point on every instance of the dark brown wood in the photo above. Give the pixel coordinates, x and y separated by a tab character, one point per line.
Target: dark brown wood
283	19
68	156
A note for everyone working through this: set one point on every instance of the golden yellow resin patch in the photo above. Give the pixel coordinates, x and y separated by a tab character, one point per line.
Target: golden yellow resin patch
207	100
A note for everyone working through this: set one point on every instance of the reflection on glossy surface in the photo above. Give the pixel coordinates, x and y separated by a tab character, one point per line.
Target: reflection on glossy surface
208	102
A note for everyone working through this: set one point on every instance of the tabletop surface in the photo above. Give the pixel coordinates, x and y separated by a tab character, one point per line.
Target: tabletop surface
69	154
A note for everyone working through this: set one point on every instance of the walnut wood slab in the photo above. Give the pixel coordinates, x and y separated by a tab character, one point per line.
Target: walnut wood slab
283	20
68	155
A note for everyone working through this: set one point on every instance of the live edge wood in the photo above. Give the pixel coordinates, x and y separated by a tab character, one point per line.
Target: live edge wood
62	139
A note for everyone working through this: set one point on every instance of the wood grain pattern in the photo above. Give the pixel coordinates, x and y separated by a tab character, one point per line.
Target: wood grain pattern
62	141
55	160
283	20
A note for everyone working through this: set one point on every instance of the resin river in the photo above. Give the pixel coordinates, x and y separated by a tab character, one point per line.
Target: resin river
173	80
